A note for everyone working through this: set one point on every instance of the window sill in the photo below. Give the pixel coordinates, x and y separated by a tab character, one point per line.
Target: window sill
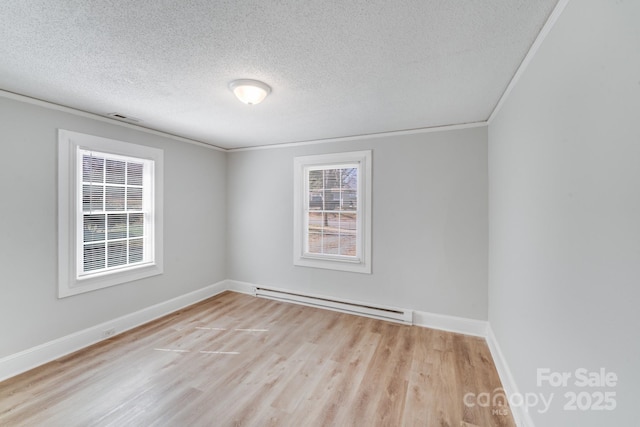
356	266
100	281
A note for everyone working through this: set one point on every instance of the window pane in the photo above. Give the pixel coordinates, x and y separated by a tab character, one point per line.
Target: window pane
134	198
332	199
136	250
348	245
92	169
117	253
86	198
331	244
315	222
315	200
116	226
93	228
134	173
348	224
115	172
315	243
332	179
347	231
349	200
331	222
349	190
315	180
349	178
92	198
94	257
136	225
115	198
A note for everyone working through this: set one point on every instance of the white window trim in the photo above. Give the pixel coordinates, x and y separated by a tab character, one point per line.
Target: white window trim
68	145
363	263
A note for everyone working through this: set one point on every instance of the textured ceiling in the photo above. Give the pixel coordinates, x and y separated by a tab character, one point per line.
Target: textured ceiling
337	68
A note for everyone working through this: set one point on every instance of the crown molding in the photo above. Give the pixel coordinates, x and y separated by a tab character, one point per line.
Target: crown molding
81	113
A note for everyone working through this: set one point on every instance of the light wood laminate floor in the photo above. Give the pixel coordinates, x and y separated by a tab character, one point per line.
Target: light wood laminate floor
237	360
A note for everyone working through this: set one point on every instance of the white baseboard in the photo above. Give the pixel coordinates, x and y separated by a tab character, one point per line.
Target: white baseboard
520	415
241	287
17	363
459	325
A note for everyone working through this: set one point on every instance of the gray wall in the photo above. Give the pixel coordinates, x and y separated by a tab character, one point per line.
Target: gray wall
429	222
194	239
564	209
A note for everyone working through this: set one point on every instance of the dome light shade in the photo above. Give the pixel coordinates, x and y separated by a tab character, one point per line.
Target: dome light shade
250	92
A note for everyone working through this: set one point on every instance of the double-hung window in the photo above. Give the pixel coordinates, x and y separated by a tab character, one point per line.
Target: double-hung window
110	212
332	211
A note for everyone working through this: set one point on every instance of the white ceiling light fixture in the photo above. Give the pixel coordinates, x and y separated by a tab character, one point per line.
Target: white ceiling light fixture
250	92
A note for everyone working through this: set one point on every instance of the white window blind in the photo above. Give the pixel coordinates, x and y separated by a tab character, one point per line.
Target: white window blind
116	215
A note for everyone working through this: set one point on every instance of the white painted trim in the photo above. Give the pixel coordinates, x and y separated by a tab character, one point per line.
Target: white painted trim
69	215
241	287
364	136
359	264
544	32
17	363
76	112
139	127
520	415
459	325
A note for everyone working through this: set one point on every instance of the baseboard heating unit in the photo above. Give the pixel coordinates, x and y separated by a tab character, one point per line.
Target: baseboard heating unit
363	309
